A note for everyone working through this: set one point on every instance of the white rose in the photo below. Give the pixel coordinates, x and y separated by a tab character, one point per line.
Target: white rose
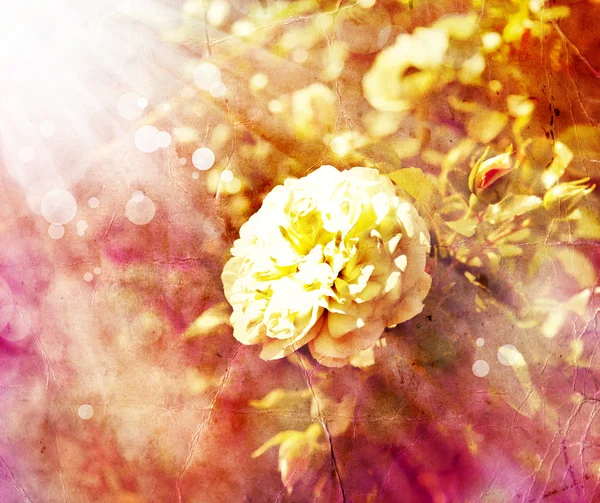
329	260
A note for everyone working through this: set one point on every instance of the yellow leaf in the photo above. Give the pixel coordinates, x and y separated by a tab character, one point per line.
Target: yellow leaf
510	207
208	321
418	185
562	157
465	226
484	125
579	266
274	441
270	400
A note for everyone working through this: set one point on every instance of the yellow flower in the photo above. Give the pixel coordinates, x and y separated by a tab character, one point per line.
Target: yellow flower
329	260
431	57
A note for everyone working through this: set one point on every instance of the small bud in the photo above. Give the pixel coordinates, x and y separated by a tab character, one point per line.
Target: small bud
562	199
489	179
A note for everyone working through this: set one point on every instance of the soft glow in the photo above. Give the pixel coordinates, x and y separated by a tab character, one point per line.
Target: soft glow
77	72
47	129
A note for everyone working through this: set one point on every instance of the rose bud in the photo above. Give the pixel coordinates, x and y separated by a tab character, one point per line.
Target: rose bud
563	199
490	179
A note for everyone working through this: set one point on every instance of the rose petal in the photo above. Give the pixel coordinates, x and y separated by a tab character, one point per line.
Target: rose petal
412	301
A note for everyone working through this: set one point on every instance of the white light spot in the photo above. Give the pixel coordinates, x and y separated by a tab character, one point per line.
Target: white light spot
203	158
93	202
142	102
26	154
300	55
47	129
97	271
56	231
206	75
227	175
81	233
164	139
88	276
195	175
138	196
217	89
130	106
258	81
166	107
85	411
82	225
549	179
59	206
234	186
480	342
481	368
275	106
509	355
182	161
140	212
147	139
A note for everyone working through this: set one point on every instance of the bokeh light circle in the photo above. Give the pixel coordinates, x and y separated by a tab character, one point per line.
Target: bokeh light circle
481	368
508	355
227	175
147	139
140	210
206	75
56	231
203	158
59	206
217	89
85	411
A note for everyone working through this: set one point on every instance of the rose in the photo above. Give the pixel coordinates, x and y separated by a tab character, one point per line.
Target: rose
489	180
329	260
